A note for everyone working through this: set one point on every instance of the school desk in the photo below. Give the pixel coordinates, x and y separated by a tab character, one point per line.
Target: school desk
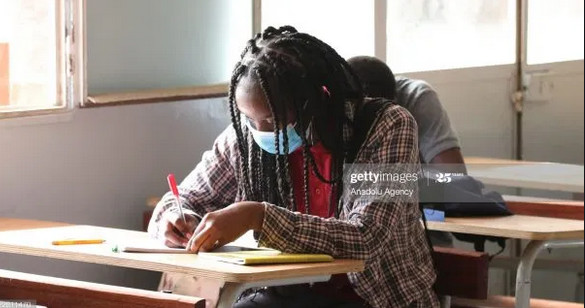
34	238
541	232
526	174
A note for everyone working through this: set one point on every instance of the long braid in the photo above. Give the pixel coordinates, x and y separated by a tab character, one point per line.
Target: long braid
253	163
282	179
306	154
287	175
237	125
282	166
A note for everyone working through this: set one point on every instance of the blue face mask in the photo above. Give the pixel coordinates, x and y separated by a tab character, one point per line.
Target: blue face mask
265	140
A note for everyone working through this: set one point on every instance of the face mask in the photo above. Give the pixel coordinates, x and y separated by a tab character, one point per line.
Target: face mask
265	140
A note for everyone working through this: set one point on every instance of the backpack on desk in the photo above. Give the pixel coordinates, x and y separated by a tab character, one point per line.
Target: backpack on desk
462	197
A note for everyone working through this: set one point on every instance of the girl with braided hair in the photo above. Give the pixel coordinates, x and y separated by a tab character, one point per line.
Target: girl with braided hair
277	170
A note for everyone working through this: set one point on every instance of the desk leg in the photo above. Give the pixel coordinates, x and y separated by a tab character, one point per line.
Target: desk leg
524	273
231	290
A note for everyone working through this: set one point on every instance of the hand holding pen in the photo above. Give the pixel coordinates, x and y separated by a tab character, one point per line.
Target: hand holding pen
175	227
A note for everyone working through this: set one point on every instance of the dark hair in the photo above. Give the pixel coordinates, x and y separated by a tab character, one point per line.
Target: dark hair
297	72
376	77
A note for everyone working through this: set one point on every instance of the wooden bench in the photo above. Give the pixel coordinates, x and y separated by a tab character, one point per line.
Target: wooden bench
57	292
509	302
460	273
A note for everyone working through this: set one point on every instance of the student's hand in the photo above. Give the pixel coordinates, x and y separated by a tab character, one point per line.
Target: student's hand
223	226
174	231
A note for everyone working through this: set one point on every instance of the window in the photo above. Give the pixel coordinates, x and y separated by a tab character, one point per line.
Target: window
428	35
346	25
33	56
154	51
555	31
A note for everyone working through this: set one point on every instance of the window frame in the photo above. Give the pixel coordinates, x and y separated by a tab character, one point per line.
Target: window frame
76	80
70	69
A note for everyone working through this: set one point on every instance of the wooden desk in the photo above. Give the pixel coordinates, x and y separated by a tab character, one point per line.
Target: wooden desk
526	174
515	226
542	232
235	278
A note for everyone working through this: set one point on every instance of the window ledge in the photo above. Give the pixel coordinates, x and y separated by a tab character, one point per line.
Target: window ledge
36	117
156	95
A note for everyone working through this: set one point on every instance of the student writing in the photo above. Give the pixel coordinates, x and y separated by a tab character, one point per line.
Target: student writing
277	170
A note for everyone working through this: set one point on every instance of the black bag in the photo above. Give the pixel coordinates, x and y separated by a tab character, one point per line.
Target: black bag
464	196
461	197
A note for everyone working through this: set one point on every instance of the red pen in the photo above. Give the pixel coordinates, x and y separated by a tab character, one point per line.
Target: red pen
173	187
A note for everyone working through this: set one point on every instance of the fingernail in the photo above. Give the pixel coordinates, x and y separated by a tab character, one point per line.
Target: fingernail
188	235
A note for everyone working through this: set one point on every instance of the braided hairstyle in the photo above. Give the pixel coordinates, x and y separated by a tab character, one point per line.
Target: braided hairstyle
295	72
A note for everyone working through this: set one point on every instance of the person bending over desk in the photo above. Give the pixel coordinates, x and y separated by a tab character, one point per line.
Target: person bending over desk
438	141
277	170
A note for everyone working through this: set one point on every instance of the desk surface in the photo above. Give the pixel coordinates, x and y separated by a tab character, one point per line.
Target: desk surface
36	240
515	226
526	174
7	224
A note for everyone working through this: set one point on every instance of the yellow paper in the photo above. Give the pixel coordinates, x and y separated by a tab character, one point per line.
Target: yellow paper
264	257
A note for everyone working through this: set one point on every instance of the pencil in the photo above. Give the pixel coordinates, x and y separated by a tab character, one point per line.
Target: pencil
78	241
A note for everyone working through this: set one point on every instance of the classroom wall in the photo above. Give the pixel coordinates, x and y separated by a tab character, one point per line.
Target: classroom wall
477	101
97	166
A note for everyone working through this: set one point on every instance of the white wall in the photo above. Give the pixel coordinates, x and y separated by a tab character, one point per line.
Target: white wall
554	128
98	168
477	101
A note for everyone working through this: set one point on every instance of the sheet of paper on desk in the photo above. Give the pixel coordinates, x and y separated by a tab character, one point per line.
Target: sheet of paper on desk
148	246
245	242
153	246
